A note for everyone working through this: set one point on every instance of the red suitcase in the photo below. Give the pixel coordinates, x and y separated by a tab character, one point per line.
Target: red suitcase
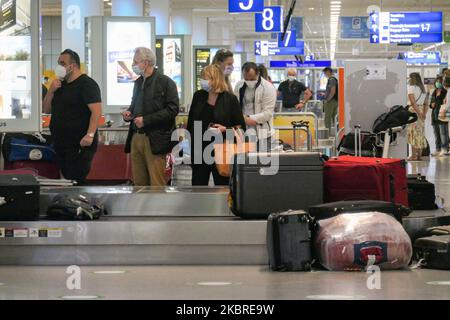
45	169
353	178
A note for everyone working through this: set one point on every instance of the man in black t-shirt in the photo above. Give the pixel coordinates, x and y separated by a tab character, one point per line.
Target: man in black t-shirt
291	90
74	101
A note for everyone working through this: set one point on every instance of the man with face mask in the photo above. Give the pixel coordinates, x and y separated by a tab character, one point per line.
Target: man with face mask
257	97
74	101
154	107
292	90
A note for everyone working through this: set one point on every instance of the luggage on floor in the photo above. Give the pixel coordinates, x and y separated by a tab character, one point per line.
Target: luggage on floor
68	207
349	178
439	231
289	241
289	181
24	147
330	210
434	252
356	241
421	193
46	169
358	143
299	126
19	197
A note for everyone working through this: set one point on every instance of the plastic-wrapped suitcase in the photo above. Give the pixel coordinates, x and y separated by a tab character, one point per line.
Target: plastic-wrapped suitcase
289	241
330	210
434	252
354	178
19	198
256	191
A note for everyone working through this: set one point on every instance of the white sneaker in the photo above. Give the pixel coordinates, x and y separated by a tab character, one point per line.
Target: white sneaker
436	154
442	153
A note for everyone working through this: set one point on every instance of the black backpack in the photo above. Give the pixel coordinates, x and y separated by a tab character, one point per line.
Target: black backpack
368	145
72	207
398	116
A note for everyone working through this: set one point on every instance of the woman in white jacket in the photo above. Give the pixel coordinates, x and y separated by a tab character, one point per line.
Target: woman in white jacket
258	98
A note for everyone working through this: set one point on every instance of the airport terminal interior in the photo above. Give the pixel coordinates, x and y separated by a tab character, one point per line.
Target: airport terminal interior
101	194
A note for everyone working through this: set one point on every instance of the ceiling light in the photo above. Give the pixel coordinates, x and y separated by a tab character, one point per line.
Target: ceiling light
335	2
312	9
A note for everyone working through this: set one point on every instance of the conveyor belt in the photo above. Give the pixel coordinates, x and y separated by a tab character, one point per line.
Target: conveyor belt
137	241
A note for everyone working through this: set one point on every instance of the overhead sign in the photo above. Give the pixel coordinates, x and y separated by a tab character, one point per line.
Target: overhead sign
423	58
406	27
299	64
290	39
245	6
270	20
7	14
270	48
354	28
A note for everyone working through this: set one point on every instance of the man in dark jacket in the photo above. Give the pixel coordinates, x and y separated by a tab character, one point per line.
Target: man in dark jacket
154	107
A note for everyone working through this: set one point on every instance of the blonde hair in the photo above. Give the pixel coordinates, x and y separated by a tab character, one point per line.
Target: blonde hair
216	77
447	73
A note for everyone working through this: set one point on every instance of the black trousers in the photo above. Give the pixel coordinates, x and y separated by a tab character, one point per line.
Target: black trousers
201	174
75	163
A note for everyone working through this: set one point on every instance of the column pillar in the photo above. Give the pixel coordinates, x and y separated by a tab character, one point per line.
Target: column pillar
73	14
160	9
127	8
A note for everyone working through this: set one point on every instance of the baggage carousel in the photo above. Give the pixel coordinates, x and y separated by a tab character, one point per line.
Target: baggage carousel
143	226
152	226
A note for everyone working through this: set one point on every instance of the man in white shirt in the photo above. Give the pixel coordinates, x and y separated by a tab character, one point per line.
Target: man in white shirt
257	97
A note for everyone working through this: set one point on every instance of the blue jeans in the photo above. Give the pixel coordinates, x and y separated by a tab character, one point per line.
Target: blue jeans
441	135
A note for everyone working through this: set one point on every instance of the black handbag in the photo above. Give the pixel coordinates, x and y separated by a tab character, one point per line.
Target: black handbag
72	207
398	116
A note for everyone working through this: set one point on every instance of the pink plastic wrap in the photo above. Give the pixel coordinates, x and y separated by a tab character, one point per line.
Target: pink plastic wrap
355	241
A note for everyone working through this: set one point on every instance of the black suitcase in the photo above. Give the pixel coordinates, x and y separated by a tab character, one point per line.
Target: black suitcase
289	241
434	252
256	192
330	210
421	193
19	198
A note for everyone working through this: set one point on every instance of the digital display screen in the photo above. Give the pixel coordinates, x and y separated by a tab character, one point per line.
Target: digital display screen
423	58
15	77
122	39
169	60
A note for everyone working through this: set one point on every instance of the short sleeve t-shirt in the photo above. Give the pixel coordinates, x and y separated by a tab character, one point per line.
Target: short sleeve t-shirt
291	91
332	83
419	96
70	111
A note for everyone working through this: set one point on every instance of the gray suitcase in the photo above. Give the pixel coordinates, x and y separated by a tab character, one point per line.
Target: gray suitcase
256	192
289	241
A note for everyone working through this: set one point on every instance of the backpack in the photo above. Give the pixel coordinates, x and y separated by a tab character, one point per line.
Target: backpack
368	146
72	207
398	116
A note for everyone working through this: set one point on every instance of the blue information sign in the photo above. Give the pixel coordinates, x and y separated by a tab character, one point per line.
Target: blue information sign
298	64
354	28
423	58
270	48
406	27
245	6
290	39
270	20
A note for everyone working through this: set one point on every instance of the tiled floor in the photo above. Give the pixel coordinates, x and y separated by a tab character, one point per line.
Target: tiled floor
236	283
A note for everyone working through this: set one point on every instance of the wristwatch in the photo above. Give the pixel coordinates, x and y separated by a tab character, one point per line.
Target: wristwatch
91	135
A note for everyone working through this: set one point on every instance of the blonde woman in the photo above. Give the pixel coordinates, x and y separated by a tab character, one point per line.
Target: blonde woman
417	96
224	58
214	107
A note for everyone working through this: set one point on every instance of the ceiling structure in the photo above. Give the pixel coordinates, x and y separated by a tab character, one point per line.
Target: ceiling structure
318	28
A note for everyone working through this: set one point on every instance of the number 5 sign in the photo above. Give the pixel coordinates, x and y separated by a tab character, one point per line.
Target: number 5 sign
270	20
239	6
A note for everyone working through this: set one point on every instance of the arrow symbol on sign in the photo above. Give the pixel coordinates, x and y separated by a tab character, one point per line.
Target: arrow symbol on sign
375	28
375	17
375	38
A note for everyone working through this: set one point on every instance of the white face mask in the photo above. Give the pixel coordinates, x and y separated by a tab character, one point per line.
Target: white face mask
292	78
228	70
205	85
251	84
60	72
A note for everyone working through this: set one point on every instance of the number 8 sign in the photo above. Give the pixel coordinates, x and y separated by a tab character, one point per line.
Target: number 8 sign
242	6
270	20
